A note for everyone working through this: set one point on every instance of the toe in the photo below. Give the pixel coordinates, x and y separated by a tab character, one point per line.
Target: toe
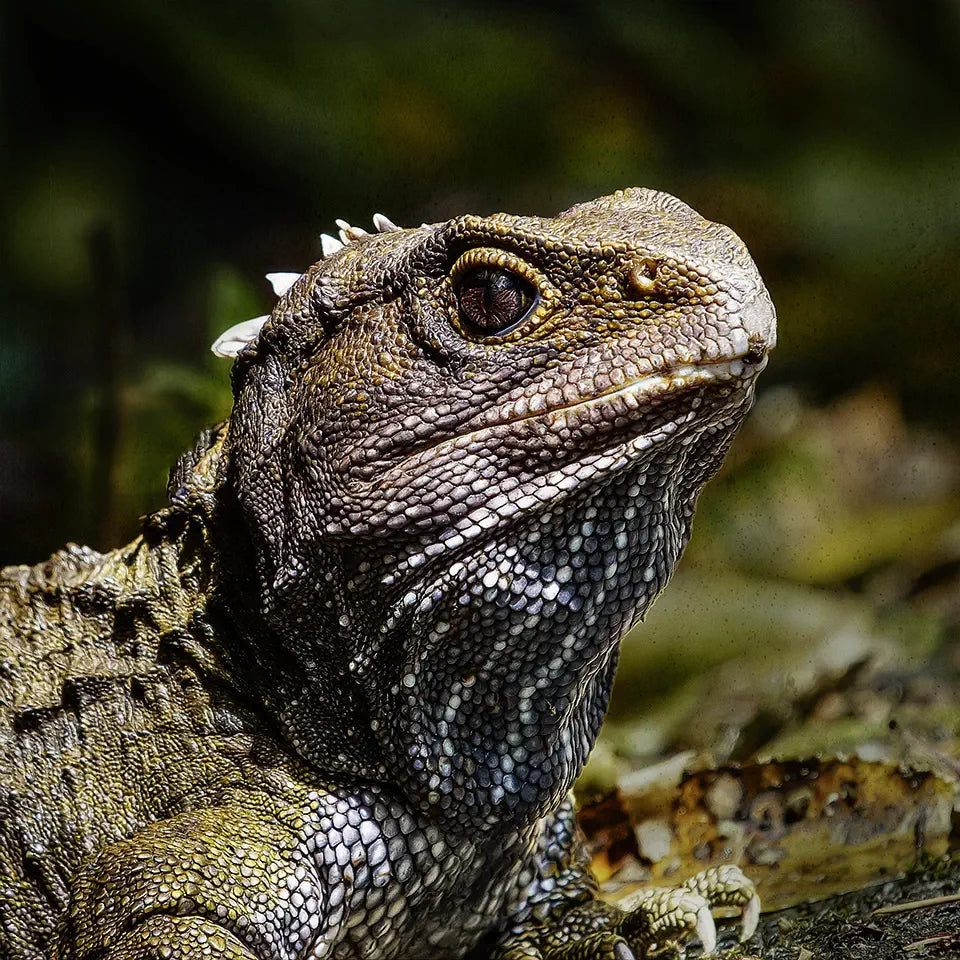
723	886
706	929
668	916
728	886
750	918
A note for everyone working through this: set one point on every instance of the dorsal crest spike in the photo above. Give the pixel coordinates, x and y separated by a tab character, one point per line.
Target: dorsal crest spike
348	232
282	282
234	339
329	245
384	224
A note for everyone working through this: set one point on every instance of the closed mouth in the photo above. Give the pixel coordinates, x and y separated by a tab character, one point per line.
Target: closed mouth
657	385
612	428
626	401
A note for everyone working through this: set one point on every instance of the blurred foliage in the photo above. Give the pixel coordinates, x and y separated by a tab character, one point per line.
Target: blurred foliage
817	609
159	156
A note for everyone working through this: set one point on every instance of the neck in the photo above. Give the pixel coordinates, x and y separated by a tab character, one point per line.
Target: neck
476	682
503	660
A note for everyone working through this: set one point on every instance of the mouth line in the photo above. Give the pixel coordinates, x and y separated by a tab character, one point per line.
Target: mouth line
634	395
506	508
656	385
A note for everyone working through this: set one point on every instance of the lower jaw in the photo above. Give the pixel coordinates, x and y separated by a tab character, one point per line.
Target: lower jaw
616	455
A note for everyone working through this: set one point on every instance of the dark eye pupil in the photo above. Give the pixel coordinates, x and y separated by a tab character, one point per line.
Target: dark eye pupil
492	301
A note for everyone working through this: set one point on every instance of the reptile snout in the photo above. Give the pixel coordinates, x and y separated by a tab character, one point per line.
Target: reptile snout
759	320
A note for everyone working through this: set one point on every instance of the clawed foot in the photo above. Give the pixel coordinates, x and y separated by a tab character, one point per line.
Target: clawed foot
647	924
659	921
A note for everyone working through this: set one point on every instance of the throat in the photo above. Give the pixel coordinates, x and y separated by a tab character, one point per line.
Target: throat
508	656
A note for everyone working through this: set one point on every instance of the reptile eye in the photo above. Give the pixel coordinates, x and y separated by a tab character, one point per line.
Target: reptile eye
493	301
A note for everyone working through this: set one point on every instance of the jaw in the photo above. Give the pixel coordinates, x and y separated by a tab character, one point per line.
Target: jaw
545	462
512	638
483	666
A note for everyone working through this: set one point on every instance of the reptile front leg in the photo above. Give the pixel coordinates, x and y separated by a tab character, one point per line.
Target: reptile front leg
218	882
177	938
561	919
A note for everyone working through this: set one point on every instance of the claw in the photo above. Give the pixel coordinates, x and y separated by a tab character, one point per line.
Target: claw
706	930
622	952
750	918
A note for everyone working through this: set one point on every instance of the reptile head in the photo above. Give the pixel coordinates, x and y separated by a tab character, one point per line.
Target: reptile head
468	455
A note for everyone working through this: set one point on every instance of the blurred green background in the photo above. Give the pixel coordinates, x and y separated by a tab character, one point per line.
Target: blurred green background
159	156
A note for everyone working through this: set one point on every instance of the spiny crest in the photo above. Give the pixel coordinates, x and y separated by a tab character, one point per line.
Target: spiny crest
234	339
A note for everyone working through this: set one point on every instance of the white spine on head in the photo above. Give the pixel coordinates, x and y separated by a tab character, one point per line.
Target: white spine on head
232	341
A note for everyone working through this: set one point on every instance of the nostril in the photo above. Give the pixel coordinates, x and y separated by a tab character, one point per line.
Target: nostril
757	348
643	275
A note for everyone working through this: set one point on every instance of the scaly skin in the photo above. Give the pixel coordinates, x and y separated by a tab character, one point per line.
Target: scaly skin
331	701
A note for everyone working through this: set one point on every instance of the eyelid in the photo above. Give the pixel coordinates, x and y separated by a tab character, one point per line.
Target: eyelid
501	260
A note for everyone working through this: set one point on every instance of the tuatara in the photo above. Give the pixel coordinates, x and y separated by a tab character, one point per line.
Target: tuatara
332	700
